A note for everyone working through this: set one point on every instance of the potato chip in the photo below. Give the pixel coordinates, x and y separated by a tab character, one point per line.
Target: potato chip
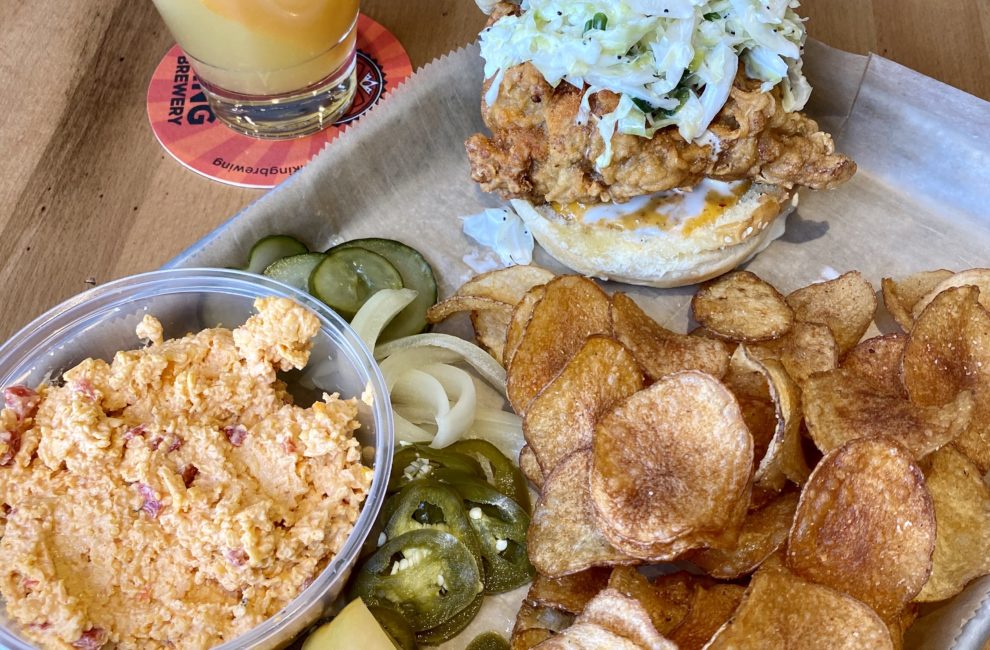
573	308
760	417
879	361
780	610
456	304
563	537
806	349
711	607
962	513
865	525
588	636
762	534
673	460
842	405
568	593
739	306
528	639
761	497
520	320
777	561
535	617
490	329
625	617
752	393
490	318
745	378
769	413
846	305
948	351
561	419
703	332
667	601
677	548
868	398
939	358
899	626
900	297
530	467
535	624
507	285
784	458
979	278
660	351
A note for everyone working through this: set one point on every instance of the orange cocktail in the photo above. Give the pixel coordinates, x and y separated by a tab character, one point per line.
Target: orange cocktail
273	67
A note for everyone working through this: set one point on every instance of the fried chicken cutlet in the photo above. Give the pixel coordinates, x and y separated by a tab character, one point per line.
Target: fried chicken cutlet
538	151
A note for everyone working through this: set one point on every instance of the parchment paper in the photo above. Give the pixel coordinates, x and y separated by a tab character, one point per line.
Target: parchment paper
920	201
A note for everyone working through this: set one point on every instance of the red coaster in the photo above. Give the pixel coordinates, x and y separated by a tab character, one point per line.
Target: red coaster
187	129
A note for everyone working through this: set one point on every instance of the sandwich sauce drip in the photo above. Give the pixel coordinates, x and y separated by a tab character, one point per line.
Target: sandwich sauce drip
688	210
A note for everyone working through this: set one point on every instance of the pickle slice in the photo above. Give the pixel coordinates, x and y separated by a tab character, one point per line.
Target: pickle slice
349	276
416	274
295	269
271	248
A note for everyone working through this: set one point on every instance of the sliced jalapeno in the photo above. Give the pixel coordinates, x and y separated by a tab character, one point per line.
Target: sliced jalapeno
452	627
376	537
454	477
419	461
395	626
426	575
428	504
501	527
504	474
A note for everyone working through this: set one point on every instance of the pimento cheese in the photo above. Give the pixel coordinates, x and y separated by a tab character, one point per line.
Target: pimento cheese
174	497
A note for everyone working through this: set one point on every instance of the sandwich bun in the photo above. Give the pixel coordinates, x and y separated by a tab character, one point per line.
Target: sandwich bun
659	243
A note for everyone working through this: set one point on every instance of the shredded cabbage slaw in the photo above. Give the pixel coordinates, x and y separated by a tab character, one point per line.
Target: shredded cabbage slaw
503	231
673	62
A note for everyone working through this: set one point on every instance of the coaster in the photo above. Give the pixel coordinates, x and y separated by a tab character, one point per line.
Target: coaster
186	127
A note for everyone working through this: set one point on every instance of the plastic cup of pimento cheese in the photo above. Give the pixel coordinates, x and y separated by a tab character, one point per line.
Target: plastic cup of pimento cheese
101	321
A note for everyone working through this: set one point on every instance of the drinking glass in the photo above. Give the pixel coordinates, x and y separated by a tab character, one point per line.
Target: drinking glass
270	68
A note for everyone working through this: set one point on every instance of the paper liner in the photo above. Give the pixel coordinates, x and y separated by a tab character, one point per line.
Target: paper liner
918	202
959	623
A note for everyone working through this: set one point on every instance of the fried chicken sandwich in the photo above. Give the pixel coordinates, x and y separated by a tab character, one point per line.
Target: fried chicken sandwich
656	142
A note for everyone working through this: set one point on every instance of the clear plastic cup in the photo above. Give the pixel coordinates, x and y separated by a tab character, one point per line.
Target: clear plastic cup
278	69
101	321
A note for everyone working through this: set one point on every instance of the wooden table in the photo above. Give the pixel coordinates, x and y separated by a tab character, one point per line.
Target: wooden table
88	195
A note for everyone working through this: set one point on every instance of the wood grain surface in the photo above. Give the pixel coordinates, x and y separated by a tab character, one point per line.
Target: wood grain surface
88	195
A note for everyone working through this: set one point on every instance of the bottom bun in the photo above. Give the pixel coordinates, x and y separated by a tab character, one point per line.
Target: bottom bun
657	257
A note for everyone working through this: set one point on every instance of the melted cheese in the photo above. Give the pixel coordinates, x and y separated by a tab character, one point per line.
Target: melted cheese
686	210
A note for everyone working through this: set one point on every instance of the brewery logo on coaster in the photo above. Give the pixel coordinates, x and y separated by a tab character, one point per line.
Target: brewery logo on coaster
186	127
370	86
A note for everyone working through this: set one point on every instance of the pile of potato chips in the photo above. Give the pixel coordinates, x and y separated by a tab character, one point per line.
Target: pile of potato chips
811	488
